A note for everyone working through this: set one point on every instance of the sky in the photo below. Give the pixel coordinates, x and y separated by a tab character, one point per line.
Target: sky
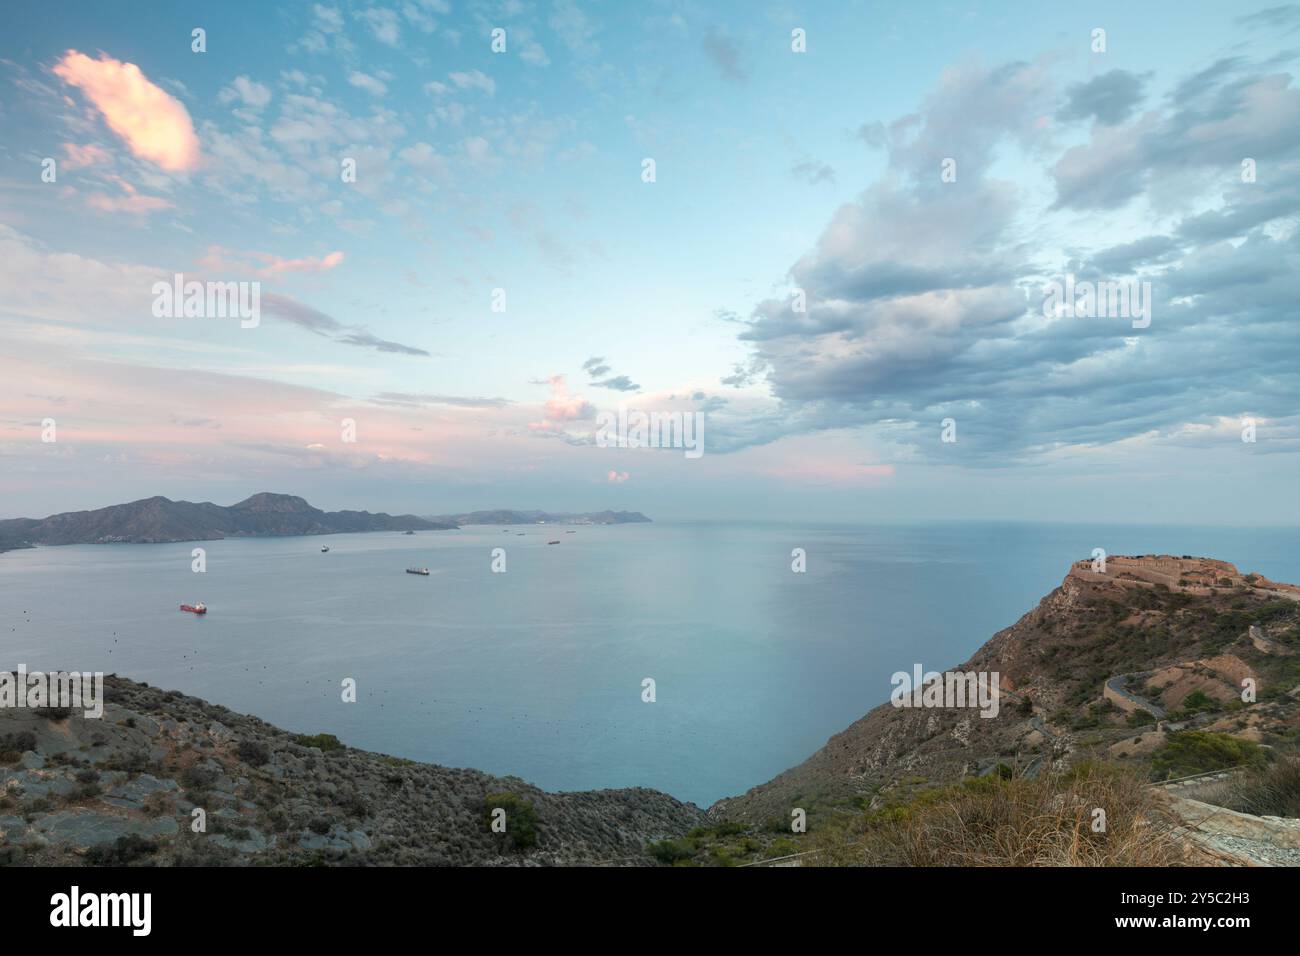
827	231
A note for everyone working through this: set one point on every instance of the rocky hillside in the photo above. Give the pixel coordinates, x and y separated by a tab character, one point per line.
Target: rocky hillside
1110	665
161	519
123	789
1116	681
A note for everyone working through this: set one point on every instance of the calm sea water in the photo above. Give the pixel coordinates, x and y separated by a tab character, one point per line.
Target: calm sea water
538	671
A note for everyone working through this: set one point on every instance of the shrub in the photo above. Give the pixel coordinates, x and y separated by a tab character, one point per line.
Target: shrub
1272	791
671	852
254	752
21	741
1198	701
1019	822
520	819
124	850
1197	751
322	742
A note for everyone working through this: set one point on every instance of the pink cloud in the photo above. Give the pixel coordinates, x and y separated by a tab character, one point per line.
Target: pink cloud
88	155
220	259
153	123
562	407
132	202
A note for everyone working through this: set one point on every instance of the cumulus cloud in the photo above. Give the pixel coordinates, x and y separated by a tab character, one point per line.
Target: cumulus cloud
249	92
371	84
1110	98
562	407
154	124
922	299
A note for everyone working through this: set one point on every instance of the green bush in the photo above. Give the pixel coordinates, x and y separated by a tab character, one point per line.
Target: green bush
521	819
1196	751
322	742
671	852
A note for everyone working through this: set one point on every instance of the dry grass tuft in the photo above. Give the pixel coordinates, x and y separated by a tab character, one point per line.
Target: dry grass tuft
1017	822
1272	791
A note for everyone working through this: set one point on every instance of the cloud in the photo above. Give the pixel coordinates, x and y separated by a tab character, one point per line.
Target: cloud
474	80
130	202
922	299
1110	98
596	368
79	157
154	125
561	407
371	84
1284	19
1217	117
620	383
574	27
219	259
383	24
418	400
248	92
813	172
723	53
315	321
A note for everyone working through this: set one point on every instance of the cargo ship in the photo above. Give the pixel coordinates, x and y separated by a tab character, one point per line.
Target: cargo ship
417	570
199	608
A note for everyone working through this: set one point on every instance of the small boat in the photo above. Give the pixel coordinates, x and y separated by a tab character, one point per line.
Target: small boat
556	541
324	549
570	532
199	608
408	532
424	571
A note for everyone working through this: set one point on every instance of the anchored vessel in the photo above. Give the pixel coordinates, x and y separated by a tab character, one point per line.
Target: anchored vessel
417	570
199	608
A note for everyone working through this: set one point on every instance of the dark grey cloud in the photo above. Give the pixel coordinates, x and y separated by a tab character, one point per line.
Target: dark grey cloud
724	54
1215	119
619	383
813	172
1110	98
1284	18
313	320
924	300
598	369
1128	257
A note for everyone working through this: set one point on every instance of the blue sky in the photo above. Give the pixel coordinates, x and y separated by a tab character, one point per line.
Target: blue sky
775	170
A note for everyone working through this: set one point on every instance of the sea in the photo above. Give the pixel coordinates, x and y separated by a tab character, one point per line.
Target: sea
688	657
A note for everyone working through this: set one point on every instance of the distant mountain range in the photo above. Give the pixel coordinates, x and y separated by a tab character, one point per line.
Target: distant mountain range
541	517
159	519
